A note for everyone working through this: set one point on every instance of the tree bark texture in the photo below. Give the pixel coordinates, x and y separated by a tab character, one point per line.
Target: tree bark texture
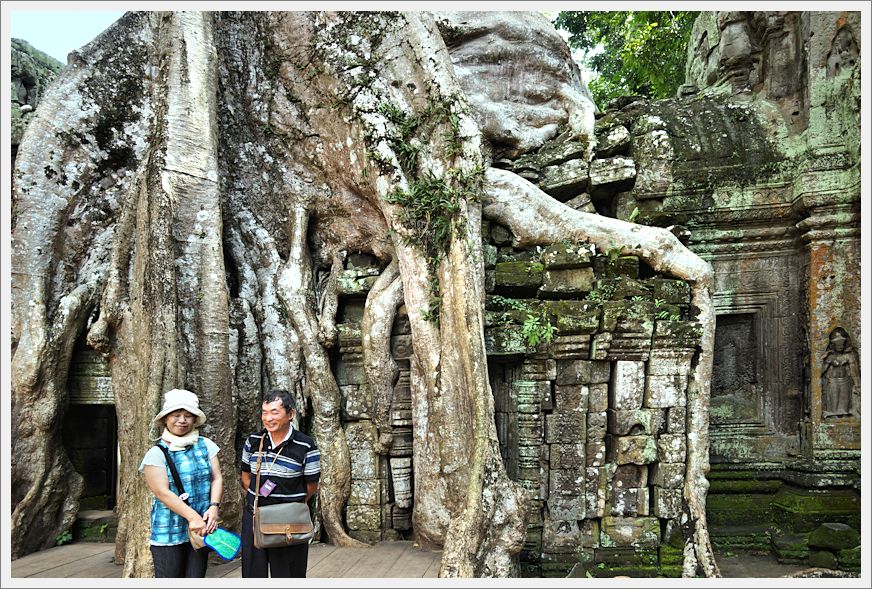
188	180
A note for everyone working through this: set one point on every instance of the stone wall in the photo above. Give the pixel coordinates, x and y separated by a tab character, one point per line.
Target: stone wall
591	417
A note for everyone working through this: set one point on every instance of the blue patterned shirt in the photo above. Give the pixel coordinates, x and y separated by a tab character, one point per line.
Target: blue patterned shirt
167	527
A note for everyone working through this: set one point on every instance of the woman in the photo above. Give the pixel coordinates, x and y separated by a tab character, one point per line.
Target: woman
172	516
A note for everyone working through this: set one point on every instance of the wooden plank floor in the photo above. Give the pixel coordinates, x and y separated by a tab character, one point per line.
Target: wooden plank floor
385	559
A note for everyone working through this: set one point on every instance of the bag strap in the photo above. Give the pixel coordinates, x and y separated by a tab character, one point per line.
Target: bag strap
175	472
257	482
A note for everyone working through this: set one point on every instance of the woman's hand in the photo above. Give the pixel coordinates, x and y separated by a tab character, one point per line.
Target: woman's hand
197	525
211	519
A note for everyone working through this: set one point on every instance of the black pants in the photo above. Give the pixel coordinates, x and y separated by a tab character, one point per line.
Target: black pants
179	561
289	561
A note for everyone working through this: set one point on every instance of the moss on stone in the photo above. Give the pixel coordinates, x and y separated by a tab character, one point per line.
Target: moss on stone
726	509
518	276
744	486
849	559
574	317
834	536
823	559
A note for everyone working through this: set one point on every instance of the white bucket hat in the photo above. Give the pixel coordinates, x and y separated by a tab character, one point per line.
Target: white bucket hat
181	399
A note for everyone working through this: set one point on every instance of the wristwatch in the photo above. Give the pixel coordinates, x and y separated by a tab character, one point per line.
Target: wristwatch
215	503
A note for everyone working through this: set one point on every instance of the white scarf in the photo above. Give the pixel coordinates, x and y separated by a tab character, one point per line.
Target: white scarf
180	442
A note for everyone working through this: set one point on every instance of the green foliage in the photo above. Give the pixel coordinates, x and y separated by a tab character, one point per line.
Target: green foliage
537	328
431	204
431	211
64	538
644	52
507	303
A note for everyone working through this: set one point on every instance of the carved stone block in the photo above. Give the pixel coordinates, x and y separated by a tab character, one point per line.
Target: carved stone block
672	448
534	368
517	278
401	518
566	455
670	363
529	395
575	281
610	171
565	428
589	532
629	501
401	476
666	391
530	430
361	437
598	397
600	372
573	372
559	535
573	317
571	398
675	292
668	475
563	257
363	517
676	420
628	385
630	475
613	141
654	155
595	491
349	370
531	456
633	423
568	347
365	492
356	402
566	508
401	347
640	532
633	449
666	503
596	427
595	454
565	180
565	481
600	345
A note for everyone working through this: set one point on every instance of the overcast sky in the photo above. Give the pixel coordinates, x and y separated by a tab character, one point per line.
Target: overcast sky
57	32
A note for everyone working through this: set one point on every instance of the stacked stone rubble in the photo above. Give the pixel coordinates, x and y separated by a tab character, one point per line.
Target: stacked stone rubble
610	390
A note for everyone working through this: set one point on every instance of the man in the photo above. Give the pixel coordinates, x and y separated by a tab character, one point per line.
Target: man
290	466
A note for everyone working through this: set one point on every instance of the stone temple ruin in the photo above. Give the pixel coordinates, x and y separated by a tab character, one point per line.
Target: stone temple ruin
592	424
755	167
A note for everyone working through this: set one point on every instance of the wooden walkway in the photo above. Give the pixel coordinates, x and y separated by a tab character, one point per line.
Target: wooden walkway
95	560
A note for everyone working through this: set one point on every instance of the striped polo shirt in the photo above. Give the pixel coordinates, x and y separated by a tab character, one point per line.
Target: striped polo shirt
297	462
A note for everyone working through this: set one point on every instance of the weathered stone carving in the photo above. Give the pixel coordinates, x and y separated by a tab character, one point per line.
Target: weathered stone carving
840	375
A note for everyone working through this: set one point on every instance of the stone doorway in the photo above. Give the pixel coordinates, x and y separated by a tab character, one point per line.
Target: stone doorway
90	429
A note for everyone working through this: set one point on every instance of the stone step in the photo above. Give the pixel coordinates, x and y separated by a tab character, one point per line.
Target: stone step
95	525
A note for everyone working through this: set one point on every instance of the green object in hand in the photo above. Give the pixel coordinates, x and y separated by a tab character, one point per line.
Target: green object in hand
225	544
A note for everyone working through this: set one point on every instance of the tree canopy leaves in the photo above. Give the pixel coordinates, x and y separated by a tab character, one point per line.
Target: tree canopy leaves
642	52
